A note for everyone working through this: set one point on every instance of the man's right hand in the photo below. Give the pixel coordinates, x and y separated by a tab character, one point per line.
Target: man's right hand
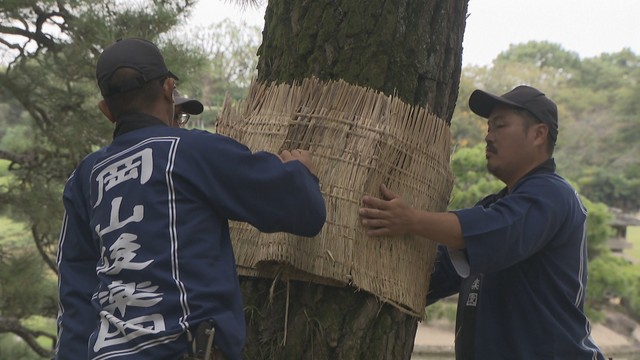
303	156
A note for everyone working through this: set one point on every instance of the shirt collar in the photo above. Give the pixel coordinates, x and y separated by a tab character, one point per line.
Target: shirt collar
134	121
548	166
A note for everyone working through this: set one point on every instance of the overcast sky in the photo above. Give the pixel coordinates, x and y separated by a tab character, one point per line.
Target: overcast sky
588	27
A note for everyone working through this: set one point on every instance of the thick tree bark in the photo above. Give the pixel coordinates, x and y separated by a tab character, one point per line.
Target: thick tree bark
301	320
410	48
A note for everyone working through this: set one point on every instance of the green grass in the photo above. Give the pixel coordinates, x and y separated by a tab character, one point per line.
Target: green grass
633	236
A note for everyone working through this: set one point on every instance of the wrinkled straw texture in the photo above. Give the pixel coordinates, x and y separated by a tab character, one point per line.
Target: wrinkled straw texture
359	139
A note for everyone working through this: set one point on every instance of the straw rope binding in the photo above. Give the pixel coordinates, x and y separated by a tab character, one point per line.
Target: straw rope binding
359	139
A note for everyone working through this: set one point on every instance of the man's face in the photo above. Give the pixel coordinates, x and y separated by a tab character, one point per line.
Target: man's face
176	113
509	144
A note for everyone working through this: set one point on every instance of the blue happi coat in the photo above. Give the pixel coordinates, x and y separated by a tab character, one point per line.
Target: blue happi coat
524	269
145	253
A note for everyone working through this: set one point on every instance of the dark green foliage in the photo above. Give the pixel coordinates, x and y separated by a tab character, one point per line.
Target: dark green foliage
598	229
24	291
50	121
472	180
611	277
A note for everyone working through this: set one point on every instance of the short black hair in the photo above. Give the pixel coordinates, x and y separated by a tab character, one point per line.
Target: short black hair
531	119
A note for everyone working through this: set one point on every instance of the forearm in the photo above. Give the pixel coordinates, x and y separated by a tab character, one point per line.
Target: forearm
441	227
391	215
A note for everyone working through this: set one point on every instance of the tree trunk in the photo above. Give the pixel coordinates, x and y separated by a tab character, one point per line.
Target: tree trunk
408	48
411	48
301	320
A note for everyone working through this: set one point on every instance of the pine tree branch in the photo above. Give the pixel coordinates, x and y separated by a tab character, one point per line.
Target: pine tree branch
10	324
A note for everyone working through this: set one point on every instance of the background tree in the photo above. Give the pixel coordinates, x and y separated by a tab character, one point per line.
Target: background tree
472	180
408	48
48	84
229	65
542	54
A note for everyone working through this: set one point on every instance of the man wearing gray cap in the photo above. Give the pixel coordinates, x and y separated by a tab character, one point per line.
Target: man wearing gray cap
518	259
146	265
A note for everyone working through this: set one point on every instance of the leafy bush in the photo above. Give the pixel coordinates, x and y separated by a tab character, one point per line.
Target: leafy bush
612	277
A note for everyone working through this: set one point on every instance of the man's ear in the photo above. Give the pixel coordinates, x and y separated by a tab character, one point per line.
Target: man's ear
102	105
541	133
167	88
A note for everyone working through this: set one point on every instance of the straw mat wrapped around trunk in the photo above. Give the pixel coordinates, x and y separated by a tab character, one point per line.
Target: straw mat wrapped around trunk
359	139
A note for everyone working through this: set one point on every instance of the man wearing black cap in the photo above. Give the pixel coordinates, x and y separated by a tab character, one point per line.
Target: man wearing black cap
145	259
184	108
518	259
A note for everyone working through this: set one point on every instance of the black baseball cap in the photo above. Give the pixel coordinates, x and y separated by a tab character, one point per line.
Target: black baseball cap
521	97
137	54
190	106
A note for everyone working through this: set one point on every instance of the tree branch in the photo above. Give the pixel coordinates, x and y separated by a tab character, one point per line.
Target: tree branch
20	159
38	34
27	158
40	245
13	325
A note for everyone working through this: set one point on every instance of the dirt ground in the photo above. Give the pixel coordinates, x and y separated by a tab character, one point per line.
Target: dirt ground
436	341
